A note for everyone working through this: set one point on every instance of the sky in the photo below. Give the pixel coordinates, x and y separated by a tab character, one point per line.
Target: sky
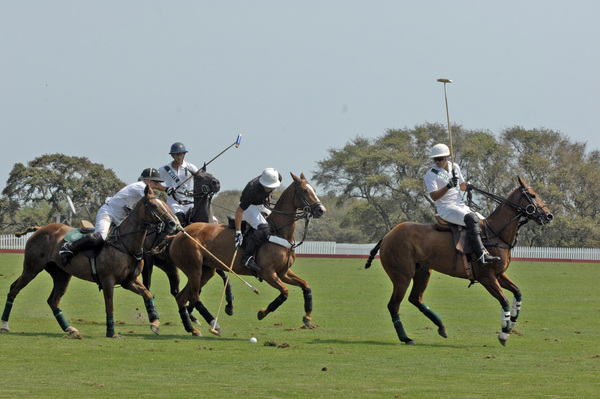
118	82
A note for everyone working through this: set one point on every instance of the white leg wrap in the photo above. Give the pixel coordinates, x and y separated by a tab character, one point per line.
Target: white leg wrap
215	325
505	319
503	336
515	308
5	326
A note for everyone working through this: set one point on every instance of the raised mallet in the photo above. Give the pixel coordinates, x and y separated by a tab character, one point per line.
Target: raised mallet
444	81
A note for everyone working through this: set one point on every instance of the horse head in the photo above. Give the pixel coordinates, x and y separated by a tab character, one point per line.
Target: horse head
306	197
154	212
205	184
532	205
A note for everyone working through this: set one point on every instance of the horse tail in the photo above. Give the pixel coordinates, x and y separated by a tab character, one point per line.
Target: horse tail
27	230
372	254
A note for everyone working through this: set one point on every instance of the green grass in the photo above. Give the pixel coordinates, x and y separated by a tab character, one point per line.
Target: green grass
352	352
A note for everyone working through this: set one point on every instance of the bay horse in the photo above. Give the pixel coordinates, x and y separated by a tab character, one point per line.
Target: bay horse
119	262
410	251
190	251
205	187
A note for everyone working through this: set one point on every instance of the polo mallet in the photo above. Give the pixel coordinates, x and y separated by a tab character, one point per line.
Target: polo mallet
221	262
212	329
444	81
237	142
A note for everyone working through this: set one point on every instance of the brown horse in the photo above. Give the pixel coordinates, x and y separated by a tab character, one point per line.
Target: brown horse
189	251
205	187
119	262
411	250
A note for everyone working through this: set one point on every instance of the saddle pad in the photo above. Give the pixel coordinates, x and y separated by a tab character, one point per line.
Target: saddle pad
73	235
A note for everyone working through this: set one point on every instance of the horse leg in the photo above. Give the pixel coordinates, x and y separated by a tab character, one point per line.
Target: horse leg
228	292
420	281
61	281
274	282
182	298
394	309
108	288
291	278
515	309
29	273
491	284
139	288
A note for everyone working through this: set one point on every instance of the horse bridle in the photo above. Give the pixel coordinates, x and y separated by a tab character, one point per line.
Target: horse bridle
158	227
306	213
532	211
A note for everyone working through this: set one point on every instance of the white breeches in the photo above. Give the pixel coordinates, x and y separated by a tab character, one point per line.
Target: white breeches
253	215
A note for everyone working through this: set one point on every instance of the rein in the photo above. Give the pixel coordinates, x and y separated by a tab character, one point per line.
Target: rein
524	214
117	235
306	213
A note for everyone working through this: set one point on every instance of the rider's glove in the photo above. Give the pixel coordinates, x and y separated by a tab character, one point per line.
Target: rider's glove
238	239
170	191
453	182
469	186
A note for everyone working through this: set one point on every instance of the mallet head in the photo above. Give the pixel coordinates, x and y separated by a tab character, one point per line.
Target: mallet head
443	80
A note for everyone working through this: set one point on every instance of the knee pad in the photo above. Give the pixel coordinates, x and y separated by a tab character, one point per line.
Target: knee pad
472	221
262	232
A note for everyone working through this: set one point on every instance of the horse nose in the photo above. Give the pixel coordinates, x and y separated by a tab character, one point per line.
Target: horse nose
216	186
171	225
319	211
549	217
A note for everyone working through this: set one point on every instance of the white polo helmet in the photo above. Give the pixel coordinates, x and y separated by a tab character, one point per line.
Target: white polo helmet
269	178
439	150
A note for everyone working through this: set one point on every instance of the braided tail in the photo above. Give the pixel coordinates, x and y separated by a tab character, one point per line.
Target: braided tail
372	254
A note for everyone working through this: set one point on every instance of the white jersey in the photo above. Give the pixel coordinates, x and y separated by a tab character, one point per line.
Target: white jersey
450	206
117	207
174	178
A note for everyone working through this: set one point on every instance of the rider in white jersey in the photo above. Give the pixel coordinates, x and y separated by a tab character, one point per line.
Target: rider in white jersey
444	181
177	176
114	211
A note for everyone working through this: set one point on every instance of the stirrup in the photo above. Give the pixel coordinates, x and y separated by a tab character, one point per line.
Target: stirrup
65	255
486	258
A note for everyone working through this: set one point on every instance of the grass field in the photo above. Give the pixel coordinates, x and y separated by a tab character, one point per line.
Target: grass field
352	352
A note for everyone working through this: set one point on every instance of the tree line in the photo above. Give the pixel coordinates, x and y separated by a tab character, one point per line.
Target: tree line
368	186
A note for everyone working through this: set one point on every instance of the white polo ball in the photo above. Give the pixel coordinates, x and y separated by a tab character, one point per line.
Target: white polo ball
253	340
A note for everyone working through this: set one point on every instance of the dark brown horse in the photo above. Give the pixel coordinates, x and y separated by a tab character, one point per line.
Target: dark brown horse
189	251
119	262
410	251
205	187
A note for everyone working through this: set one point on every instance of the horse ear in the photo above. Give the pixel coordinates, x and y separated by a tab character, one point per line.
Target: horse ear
294	177
302	176
521	182
148	191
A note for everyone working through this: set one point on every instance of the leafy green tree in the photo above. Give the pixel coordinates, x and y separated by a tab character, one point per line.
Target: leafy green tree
48	179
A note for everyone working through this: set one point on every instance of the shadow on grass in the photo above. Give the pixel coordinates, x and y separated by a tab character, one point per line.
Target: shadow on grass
379	343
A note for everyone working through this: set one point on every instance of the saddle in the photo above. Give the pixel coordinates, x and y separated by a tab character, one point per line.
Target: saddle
461	243
459	233
247	231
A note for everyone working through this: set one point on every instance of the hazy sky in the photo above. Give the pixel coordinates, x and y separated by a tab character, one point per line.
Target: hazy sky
119	81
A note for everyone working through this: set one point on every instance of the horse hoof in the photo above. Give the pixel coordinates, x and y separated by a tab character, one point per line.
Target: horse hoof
503	337
229	310
154	326
196	333
73	333
306	321
4	330
442	331
117	336
261	314
409	342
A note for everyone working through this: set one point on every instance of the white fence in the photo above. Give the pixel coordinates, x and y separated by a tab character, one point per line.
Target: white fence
331	248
